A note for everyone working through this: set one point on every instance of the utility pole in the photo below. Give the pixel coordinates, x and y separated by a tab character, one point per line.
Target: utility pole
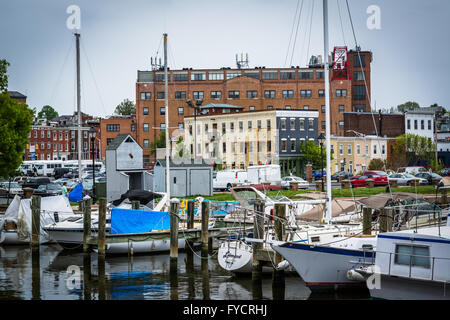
77	37
166	105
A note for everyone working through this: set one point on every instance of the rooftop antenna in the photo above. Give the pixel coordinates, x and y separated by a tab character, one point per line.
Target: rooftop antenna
242	63
155	64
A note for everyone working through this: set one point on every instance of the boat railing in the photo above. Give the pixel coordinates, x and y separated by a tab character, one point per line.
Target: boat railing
433	264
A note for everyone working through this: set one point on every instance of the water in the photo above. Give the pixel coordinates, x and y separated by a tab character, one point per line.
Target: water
57	274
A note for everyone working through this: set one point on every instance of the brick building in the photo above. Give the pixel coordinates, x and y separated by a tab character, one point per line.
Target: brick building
111	126
253	89
17	96
390	125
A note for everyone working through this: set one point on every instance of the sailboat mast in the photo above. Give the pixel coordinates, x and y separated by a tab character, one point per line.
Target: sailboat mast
166	105
77	38
327	109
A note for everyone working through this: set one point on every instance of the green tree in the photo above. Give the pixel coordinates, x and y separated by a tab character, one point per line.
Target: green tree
126	108
158	143
376	164
47	112
411	148
15	125
408	106
3	75
311	154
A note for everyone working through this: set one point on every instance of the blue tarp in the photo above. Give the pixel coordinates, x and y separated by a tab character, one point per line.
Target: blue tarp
138	221
76	194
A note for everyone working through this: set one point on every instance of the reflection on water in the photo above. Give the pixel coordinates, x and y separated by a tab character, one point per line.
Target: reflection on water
56	274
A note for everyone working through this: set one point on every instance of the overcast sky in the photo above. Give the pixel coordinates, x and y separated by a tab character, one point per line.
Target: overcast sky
118	37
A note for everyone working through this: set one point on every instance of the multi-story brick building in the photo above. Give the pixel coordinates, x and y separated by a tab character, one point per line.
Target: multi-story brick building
373	123
113	125
254	89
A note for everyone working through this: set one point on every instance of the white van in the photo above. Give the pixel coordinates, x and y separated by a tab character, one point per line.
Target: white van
411	170
223	180
266	173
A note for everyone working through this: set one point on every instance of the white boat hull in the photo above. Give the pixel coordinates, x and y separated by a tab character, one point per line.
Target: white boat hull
152	246
10	237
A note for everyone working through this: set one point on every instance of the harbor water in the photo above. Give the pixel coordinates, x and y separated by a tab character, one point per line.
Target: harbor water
54	273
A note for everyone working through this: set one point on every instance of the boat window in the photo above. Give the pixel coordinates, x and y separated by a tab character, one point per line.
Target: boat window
73	219
417	256
315	239
367	247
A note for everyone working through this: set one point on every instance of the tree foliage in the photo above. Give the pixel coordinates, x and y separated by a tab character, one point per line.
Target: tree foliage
48	113
126	108
3	75
412	148
15	125
158	143
311	154
376	164
408	106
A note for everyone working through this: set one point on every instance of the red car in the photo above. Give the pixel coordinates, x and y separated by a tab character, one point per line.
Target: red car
380	177
359	181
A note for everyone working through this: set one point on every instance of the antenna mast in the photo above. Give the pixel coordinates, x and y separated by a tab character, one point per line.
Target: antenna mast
242	63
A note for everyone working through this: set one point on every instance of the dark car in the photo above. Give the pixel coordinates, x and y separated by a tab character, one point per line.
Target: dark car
429	176
34	182
60	172
73	173
344	174
47	190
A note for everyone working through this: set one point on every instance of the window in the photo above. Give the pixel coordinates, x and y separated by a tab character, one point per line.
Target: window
160	77
216	94
311	124
215	76
197	95
283	145
422	124
341	108
85	134
232	126
293	144
292	123
146	145
206	128
359	92
305	107
341	149
358	149
252	94
287	75
302	124
254	75
231	75
162	126
48	134
145	111
145	127
287	107
360	107
66	136
190	130
224	147
319	75
429	124
146	95
305	74
161	95
416	256
408	124
49	145
42	134
224	129
42	145
162	111
367	149
233	147
269	94
321	93
198	76
252	108
84	146
180	95
270	75
383	149
324	124
180	77
241	126
269	107
283	123
133	127
227	110
374	149
55	136
349	149
341	92
268	125
358	76
288	94
258	124
323	109
180	125
180	111
112	127
358	63
249	124
233	94
269	146
341	125
305	93
415	124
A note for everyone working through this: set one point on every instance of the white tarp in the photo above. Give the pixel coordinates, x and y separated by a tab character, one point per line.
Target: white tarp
53	209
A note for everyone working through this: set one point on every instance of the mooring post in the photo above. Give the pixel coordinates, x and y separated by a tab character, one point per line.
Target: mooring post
205	278
174	224
101	236
382	221
280	231
101	276
87	276
367	221
35	222
135	204
190	273
190	214
389	218
204	234
258	233
81	205
86	223
443	196
35	274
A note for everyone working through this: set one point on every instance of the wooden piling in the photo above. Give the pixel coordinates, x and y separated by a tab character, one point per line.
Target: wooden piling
101	244
190	214
280	230
389	218
101	275
135	204
367	221
86	204
382	221
35	222
258	233
87	276
81	205
174	224
204	233
444	196
205	278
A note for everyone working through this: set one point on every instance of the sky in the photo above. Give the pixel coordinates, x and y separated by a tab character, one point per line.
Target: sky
410	48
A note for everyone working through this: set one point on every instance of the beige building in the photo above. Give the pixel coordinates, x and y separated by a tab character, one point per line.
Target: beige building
354	154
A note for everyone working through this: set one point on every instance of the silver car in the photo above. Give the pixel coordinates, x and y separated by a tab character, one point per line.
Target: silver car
285	182
404	179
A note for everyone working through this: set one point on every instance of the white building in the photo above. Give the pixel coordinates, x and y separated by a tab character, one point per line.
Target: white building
420	123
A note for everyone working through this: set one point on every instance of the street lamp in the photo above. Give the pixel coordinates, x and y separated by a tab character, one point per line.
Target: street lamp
321	138
196	108
93	133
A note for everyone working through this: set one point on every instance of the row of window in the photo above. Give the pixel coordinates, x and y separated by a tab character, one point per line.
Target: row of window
292	144
55	135
251	94
292	124
358	149
234	147
422	124
259	125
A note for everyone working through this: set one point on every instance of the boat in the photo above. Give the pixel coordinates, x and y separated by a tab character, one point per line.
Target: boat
410	265
15	225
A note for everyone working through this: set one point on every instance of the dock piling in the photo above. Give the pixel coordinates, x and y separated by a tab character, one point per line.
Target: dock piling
367	221
258	233
101	241
174	224
280	231
135	204
190	214
204	233
35	222
86	205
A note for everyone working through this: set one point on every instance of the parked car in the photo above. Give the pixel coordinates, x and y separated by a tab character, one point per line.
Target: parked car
285	182
47	190
359	181
404	179
73	173
380	177
60	172
35	182
223	180
344	174
411	170
13	187
20	180
445	172
429	176
317	174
